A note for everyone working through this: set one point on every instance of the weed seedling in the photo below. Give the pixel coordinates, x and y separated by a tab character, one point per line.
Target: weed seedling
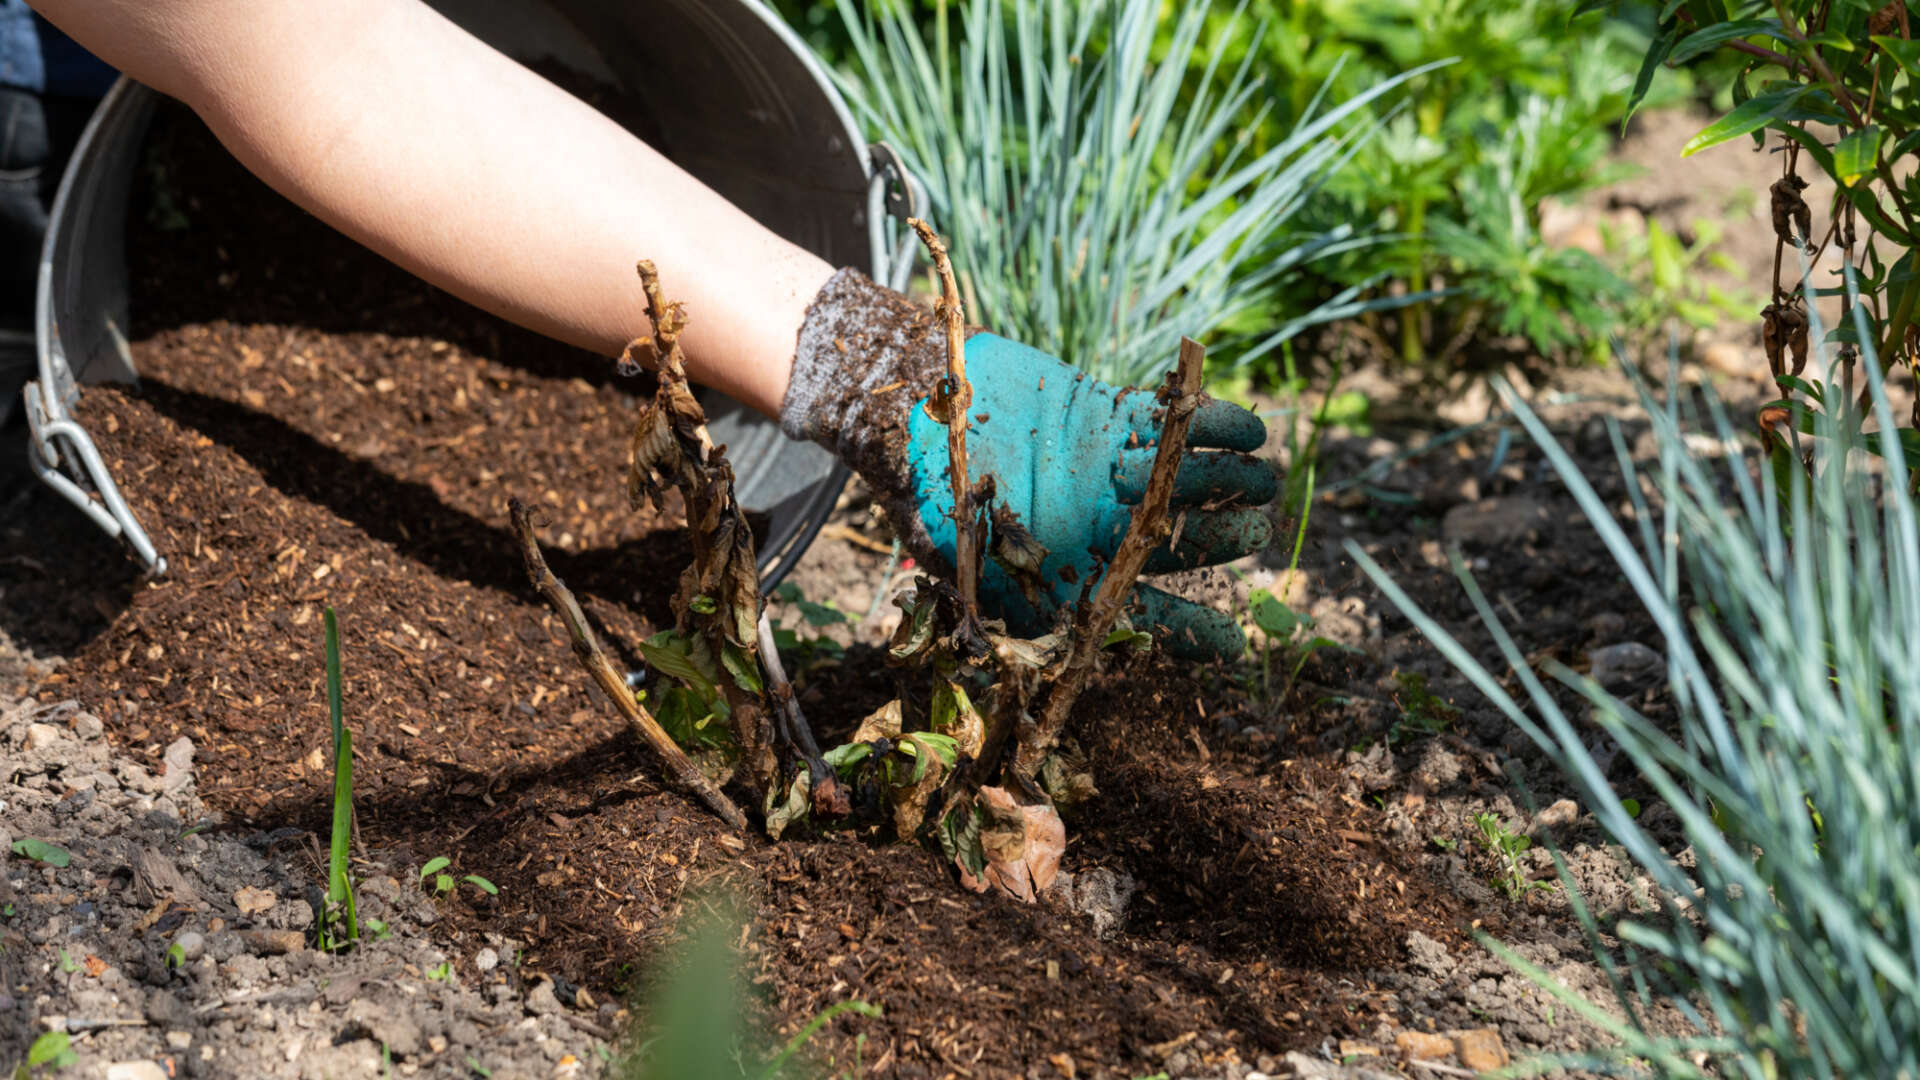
443	882
42	852
443	973
53	1050
1508	847
1421	711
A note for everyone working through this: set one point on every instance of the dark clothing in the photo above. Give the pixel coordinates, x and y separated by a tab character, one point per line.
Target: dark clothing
48	88
36	56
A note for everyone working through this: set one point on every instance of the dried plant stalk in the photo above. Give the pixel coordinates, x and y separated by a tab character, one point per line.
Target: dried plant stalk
949	403
587	649
1094	620
719	593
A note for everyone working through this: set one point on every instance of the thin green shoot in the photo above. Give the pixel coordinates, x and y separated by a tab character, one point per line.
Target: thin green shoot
341	927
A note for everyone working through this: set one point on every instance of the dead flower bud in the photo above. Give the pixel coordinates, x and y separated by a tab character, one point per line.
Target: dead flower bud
1885	21
1771	419
1792	217
1014	547
652	454
1798	336
829	797
1784	331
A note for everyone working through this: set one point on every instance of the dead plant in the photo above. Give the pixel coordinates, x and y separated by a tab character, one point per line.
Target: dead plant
984	779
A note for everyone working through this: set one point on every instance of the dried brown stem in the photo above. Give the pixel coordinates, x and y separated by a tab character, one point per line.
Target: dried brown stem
1093	621
949	405
587	649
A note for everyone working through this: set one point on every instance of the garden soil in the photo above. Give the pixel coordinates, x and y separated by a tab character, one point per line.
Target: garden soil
1267	882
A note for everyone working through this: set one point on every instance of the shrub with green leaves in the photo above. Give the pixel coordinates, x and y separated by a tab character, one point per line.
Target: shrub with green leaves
1464	169
1834	88
1103	188
1790	612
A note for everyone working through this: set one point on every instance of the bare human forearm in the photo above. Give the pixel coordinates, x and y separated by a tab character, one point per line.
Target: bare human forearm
415	138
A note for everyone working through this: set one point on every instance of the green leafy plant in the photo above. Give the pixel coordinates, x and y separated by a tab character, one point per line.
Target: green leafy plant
41	851
1421	710
1470	155
1789	617
53	1050
1508	847
694	1018
338	928
1835	87
1287	630
802	651
1664	283
1103	186
442	972
176	957
443	883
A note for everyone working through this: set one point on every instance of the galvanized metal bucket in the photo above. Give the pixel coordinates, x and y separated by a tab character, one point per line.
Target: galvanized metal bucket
766	128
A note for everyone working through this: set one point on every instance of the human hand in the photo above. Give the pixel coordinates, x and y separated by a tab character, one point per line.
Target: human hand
1069	456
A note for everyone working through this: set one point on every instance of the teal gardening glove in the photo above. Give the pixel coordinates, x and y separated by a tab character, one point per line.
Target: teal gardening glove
1069	455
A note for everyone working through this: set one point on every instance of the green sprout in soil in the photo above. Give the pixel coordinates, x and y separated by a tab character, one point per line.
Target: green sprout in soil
444	883
52	1050
695	1020
1421	710
338	928
970	755
1508	847
41	851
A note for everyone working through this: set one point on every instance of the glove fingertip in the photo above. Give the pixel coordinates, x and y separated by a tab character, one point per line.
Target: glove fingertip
1225	426
1190	631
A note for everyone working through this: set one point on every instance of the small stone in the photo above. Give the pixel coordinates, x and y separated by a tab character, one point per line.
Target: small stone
1423	1045
1429	955
88	726
273	942
485	960
1557	816
1726	358
166	1009
252	901
179	762
393	1028
192	945
1350	1049
437	1044
135	1070
41	736
179	1040
1586	237
1626	666
541	1000
1607	627
1480	1050
1100	894
1507	519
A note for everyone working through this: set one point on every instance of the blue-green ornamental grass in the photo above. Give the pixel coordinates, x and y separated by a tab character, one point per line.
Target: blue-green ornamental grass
1100	198
1791	617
